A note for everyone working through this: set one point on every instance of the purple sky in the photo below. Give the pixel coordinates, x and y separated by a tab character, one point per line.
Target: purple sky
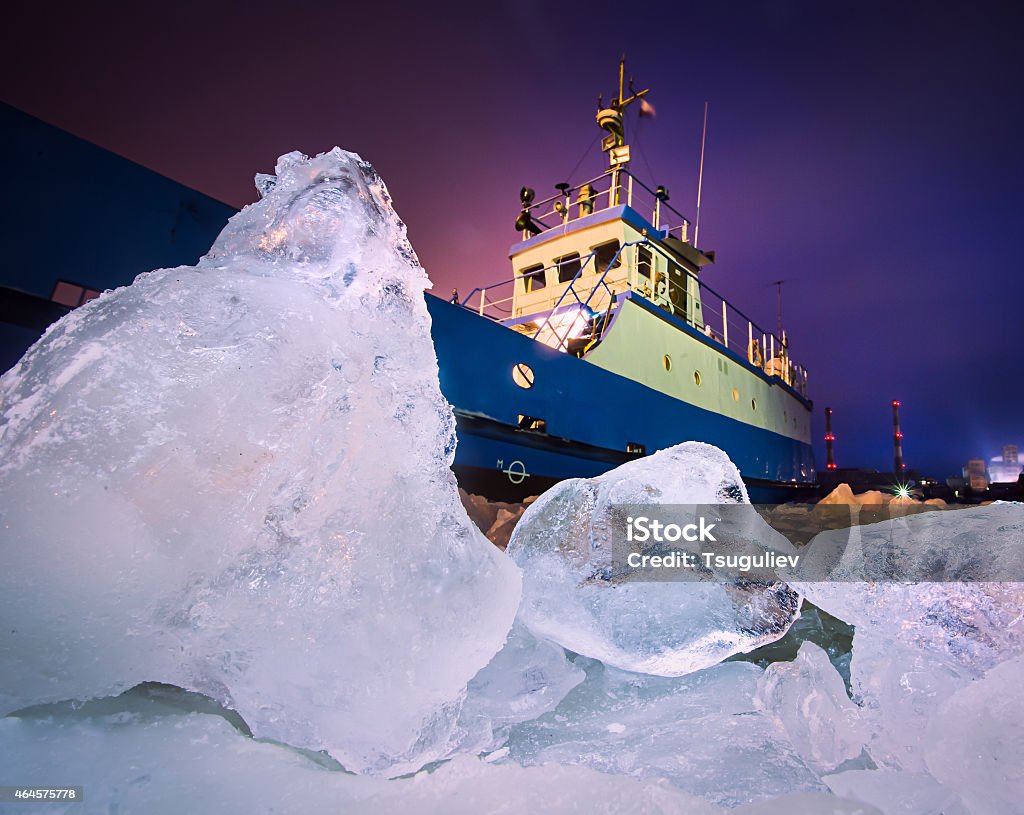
871	155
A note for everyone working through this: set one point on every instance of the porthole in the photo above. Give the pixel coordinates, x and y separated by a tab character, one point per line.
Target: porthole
753	404
522	375
696	378
735	394
667	362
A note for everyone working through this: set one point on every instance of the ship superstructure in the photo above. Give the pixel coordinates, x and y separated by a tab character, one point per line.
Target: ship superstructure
604	344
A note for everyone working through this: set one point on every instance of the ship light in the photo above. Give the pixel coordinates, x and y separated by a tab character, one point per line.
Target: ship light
566	325
572	323
901	490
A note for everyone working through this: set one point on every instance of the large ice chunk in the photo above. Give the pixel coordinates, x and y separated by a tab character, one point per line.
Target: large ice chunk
234	478
563	544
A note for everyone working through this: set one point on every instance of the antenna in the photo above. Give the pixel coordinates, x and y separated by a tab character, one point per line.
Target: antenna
700	174
622	74
778	284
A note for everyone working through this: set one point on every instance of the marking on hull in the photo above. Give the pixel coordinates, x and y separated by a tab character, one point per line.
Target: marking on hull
516	472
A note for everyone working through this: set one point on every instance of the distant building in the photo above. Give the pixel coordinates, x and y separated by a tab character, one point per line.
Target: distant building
976	474
1005	468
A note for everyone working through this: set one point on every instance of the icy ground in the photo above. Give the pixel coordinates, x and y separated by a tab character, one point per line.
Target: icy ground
232	480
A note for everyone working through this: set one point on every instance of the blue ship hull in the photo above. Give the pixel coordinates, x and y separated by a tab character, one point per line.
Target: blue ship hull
582	407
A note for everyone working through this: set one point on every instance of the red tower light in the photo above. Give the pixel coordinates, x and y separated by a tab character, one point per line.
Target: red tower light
897	439
830	453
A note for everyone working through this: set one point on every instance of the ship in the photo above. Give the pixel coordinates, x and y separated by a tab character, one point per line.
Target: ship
604	345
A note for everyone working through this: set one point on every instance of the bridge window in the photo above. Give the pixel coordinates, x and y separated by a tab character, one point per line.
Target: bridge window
533	277
604	254
568	267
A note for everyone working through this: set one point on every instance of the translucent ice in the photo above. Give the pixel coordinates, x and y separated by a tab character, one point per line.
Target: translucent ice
809	699
810	803
702	732
527	678
206	480
976	741
977	544
160	750
563	544
917	644
159	761
897	793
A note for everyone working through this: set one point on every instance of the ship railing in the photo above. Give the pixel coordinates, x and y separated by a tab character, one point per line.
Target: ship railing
497	309
483	299
707	311
611	188
727	325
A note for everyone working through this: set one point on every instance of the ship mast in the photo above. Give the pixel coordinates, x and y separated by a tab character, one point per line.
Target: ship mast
610	119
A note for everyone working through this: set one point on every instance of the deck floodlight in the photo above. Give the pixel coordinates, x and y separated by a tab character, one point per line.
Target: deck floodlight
526	195
661	193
